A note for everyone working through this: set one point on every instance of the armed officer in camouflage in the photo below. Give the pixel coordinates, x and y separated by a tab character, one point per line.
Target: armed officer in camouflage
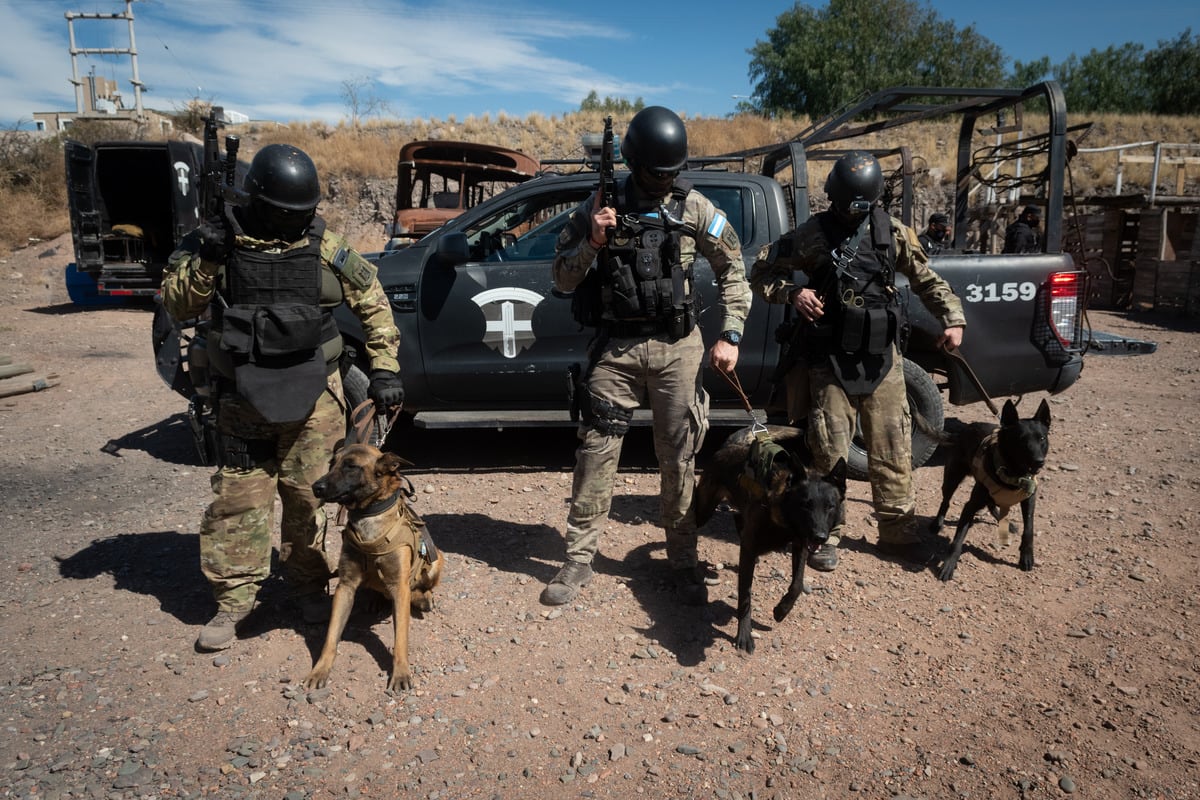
631	269
270	274
850	336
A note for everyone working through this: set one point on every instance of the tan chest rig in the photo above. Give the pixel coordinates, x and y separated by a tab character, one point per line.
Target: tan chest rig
1006	491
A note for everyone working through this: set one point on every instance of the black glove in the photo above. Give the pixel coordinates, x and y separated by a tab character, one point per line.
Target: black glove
385	390
214	241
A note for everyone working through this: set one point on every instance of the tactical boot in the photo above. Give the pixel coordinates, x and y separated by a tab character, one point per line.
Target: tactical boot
221	630
901	538
573	576
824	557
914	552
690	586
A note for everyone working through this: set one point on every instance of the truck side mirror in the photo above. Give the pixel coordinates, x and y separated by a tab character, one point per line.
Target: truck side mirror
453	249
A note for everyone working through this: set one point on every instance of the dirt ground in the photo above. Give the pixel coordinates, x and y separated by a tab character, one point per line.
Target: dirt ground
1078	678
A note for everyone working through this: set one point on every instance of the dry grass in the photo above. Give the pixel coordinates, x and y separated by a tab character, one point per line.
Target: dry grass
349	155
33	191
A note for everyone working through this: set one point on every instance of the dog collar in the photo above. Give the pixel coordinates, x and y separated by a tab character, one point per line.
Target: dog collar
378	507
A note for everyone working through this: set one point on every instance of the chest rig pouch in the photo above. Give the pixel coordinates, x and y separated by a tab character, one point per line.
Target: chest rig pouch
272	327
644	284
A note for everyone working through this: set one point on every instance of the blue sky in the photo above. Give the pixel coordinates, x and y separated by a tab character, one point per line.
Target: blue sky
291	60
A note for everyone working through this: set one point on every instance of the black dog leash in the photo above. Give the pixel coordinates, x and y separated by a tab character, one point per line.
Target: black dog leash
732	379
962	362
363	417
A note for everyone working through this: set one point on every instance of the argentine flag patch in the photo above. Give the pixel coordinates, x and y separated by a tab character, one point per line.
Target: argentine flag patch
716	227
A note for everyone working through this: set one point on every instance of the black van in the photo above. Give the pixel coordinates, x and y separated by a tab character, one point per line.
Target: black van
130	202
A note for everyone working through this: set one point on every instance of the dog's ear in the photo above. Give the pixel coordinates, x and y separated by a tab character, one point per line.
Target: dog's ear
837	476
1009	415
390	463
1043	414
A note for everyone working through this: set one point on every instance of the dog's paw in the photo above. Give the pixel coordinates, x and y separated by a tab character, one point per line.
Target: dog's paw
745	639
783	609
946	573
422	603
1026	562
316	679
400	683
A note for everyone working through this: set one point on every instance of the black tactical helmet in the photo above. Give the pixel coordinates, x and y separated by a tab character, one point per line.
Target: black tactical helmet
855	176
285	177
655	140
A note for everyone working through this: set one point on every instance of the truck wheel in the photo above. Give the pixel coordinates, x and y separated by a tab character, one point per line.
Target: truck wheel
923	399
354	386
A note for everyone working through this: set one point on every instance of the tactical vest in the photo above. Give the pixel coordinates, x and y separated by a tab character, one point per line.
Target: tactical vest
864	318
640	286
862	308
274	330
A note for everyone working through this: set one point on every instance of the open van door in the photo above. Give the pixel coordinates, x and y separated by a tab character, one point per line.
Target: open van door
84	206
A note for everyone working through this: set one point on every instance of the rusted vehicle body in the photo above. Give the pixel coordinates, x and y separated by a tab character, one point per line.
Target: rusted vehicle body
438	180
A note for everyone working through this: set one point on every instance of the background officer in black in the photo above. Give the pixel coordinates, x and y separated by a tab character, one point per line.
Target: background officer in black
1022	235
936	233
271	275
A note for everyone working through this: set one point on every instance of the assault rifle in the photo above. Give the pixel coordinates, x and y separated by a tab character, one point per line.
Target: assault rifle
608	181
217	175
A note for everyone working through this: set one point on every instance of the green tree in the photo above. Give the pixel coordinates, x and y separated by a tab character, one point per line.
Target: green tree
1110	80
1175	67
611	105
814	61
1028	73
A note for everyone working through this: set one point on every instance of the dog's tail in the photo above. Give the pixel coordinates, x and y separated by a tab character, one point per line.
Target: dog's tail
939	435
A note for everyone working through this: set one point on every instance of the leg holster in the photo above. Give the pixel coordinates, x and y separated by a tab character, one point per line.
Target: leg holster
602	415
242	453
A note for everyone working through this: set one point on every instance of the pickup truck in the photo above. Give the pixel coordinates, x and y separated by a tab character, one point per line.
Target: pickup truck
486	341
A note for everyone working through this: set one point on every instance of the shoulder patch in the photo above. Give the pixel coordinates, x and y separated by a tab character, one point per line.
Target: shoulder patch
346	262
722	231
717	226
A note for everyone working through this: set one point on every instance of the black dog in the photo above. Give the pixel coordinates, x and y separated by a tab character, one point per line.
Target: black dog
761	472
1004	460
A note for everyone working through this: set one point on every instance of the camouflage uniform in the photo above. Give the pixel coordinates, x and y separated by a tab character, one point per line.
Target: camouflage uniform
831	411
654	368
235	532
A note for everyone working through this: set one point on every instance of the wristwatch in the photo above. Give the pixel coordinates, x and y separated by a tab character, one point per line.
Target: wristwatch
733	337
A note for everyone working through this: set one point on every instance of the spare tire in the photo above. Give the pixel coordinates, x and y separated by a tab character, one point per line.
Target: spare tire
923	399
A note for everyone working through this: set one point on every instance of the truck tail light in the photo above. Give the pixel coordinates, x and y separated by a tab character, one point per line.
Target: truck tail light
1067	293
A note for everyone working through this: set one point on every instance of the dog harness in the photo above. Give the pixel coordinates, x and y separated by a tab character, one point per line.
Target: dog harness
409	529
765	456
1005	490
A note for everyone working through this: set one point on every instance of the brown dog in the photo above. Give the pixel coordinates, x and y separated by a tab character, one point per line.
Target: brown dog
385	547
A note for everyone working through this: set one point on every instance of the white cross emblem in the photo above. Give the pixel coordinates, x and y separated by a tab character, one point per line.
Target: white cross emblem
508	311
181	177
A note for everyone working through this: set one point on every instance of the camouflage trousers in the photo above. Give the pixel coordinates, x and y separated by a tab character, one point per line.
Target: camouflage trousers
887	435
235	533
666	374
